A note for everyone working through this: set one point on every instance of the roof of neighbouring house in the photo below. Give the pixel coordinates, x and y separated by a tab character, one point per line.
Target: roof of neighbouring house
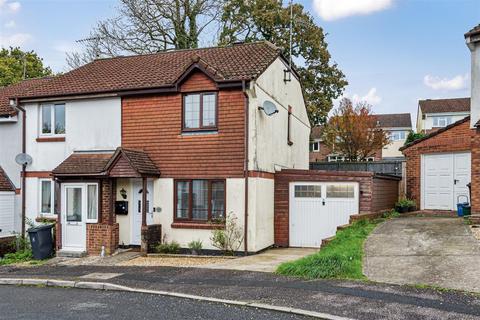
316	132
11	91
445	105
394	120
159	70
99	163
436	132
5	183
473	32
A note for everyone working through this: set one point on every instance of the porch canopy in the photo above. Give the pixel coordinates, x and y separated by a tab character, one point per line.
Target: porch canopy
121	163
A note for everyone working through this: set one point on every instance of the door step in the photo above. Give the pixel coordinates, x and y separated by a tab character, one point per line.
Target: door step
71	254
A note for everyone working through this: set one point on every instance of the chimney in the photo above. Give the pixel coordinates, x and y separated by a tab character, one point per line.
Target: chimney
472	39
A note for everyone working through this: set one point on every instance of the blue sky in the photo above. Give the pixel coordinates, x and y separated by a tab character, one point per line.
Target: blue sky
393	52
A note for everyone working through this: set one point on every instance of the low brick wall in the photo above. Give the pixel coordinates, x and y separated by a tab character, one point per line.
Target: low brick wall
376	193
99	234
7	245
151	237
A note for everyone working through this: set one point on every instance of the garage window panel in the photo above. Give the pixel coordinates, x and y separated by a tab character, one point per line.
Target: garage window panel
340	191
308	191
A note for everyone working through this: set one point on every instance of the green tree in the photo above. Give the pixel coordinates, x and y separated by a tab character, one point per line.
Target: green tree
412	136
253	20
15	65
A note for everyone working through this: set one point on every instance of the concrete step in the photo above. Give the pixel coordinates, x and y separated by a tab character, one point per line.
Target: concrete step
71	254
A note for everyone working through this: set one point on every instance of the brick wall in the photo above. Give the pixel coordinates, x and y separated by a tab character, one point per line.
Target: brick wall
456	139
367	183
325	151
151	237
154	124
475	201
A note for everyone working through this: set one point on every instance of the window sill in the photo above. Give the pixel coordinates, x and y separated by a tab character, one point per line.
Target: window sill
45	218
199	132
197	225
51	139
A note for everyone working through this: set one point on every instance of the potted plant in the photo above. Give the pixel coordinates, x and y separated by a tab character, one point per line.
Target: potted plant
195	247
405	205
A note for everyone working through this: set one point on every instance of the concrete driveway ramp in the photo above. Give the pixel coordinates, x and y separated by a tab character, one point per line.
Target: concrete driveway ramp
434	251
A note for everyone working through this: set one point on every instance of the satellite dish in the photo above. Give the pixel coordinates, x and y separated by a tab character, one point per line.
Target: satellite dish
23	159
269	108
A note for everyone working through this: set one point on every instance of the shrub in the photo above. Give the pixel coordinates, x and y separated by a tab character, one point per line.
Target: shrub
230	238
405	203
195	246
412	136
172	247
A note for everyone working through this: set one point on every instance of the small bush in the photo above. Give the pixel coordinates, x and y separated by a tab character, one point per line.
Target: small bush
195	245
172	247
19	256
230	238
405	203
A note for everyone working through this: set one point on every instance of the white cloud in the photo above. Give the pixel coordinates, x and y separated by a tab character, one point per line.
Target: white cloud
64	47
10	24
335	9
13	6
436	83
371	97
14	40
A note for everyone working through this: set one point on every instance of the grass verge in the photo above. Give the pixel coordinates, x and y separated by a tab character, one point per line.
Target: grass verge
339	259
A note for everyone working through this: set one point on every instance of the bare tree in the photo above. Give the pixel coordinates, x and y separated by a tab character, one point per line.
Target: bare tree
149	26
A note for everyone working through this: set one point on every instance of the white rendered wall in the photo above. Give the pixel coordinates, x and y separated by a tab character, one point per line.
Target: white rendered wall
475	80
260	218
428	122
268	148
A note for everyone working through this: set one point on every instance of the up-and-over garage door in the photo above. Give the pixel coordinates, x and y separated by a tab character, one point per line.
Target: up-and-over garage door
318	208
444	180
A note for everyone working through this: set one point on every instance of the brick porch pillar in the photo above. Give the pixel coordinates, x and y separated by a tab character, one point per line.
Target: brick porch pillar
475	166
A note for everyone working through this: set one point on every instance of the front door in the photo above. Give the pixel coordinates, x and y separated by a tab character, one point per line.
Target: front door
136	229
73	218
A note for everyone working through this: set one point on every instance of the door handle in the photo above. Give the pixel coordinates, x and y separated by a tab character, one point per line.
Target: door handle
455	181
323	202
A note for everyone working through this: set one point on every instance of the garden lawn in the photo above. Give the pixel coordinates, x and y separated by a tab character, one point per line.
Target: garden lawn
341	258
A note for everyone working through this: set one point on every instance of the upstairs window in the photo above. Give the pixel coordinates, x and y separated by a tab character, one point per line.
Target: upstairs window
200	111
397	135
52	119
442	121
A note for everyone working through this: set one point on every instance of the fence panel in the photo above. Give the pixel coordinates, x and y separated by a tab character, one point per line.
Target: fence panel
381	167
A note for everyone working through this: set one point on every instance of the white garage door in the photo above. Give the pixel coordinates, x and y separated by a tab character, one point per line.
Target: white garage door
444	178
318	208
7	206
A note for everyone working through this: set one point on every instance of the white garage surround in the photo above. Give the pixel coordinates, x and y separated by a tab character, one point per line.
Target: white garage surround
444	179
318	208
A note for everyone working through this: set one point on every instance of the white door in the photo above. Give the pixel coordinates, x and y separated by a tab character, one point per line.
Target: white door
444	179
7	207
318	208
74	229
136	222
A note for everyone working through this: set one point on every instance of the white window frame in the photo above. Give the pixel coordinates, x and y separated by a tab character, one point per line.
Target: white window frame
87	220
52	198
396	135
317	143
52	120
447	120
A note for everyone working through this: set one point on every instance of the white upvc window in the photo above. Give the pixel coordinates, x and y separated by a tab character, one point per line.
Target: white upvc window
315	146
46	188
442	121
92	202
52	119
397	135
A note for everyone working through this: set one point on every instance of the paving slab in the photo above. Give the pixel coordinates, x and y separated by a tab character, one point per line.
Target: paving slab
424	250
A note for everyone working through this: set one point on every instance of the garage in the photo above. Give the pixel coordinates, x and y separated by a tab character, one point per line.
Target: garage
318	208
7	207
445	177
309	205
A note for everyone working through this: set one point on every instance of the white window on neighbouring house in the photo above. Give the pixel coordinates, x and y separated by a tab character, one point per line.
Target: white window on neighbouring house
46	197
335	158
442	121
52	119
397	135
92	203
315	146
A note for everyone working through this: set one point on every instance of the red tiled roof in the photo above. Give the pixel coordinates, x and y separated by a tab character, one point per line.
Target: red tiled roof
394	120
445	105
233	63
5	182
7	92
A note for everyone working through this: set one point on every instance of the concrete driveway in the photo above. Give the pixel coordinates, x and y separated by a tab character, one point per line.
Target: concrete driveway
424	250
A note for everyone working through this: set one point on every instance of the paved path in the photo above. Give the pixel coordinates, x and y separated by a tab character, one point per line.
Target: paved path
352	299
267	261
424	250
57	303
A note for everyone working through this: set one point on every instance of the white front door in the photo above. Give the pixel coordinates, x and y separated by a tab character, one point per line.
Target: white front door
136	222
73	217
444	180
318	208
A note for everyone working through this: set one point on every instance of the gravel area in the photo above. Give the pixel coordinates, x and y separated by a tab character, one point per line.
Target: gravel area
172	261
475	231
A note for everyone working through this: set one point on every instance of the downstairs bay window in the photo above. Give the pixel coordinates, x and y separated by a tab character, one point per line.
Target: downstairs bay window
199	200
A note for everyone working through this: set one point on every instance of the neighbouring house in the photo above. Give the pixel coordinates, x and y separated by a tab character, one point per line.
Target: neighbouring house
434	114
127	148
441	165
398	126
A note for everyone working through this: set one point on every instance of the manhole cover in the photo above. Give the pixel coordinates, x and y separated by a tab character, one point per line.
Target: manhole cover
101	275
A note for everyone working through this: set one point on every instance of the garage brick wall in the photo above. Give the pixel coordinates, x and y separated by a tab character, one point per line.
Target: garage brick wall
456	139
368	184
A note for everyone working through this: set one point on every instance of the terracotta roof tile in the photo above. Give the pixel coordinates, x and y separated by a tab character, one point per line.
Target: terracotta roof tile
445	105
394	120
141	162
232	63
5	182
